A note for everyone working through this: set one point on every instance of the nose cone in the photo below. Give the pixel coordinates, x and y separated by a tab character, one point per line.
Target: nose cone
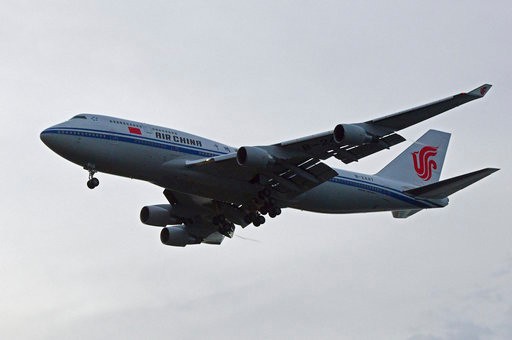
46	138
51	138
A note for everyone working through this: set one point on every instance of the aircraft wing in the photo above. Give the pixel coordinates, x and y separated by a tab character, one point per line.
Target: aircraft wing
295	166
406	118
378	134
290	175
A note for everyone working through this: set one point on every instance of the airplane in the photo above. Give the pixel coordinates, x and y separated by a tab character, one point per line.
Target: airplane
211	187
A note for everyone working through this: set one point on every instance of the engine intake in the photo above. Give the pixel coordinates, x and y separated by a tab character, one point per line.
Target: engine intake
157	215
254	157
177	236
351	134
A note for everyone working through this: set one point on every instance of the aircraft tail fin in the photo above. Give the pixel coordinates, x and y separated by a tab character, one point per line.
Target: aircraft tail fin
422	162
449	186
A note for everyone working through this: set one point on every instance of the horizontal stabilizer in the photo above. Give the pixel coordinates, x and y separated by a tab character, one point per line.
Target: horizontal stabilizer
449	186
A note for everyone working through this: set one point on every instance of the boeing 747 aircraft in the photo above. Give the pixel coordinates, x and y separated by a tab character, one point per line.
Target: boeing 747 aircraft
211	187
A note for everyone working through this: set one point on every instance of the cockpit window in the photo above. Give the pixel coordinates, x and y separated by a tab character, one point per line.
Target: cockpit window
79	116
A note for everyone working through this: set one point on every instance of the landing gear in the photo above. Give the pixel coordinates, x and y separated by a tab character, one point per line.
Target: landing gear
264	204
93	182
254	218
274	211
258	221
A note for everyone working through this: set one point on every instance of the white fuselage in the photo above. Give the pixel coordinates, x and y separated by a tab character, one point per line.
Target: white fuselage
148	152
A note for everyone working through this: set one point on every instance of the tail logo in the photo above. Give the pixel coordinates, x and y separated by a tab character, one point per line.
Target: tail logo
422	162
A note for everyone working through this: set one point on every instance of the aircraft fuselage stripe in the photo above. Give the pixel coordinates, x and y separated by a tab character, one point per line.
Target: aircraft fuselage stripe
169	145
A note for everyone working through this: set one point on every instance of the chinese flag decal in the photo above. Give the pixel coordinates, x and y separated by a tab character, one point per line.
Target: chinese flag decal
134	130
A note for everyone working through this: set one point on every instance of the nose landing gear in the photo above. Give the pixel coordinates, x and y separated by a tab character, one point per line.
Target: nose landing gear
93	182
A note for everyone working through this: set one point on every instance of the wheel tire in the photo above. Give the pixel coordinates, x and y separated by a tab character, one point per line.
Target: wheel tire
90	184
278	211
272	214
261	219
95	182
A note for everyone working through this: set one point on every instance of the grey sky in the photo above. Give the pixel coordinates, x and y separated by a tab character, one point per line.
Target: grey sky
76	263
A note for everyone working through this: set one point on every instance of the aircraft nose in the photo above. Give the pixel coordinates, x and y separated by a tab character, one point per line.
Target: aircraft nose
48	138
45	137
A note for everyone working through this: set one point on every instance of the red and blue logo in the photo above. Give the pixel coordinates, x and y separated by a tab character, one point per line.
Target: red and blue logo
422	162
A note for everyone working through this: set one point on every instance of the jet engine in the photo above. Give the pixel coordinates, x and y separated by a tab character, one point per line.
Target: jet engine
177	236
158	215
351	134
254	157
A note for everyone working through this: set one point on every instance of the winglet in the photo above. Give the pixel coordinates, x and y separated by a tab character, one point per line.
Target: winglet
480	91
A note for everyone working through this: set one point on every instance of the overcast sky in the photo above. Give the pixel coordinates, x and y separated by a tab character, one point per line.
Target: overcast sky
76	263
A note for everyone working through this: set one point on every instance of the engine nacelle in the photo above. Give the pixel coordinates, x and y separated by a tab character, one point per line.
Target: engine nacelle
157	215
351	134
254	157
177	236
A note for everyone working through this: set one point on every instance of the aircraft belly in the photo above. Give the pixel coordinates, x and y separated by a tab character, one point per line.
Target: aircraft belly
339	198
200	184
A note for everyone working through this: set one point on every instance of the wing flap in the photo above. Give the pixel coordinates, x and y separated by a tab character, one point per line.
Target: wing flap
297	179
353	154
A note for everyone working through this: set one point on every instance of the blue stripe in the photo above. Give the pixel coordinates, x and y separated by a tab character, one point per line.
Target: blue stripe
140	140
194	150
384	191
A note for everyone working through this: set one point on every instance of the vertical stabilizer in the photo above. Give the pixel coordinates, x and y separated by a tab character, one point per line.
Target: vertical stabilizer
422	162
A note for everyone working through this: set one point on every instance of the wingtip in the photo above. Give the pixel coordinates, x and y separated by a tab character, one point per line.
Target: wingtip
480	91
488	171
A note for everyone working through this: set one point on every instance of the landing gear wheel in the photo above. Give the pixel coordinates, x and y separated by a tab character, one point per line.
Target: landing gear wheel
261	219
93	183
274	211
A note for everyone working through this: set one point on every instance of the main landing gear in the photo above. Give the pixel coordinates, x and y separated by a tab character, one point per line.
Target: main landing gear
93	182
268	207
255	218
